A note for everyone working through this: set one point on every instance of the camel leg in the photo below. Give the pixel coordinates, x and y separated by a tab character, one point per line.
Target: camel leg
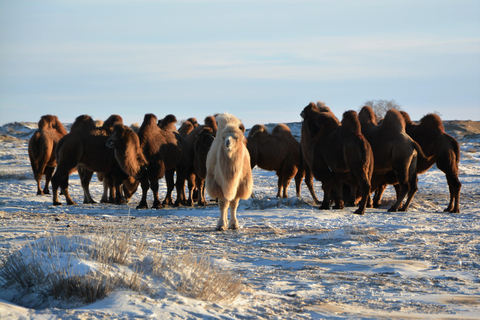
337	182
223	206
156	200
403	188
309	183
60	180
364	183
233	223
279	186
180	186
85	177
170	185
200	185
191	187
454	186
48	178
298	182
38	179
378	195
145	186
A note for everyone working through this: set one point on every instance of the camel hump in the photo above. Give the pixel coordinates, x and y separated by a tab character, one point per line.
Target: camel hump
281	128
112	121
257	129
367	116
322	107
83	123
168	123
46	122
394	121
406	117
309	110
193	121
350	122
433	123
210	121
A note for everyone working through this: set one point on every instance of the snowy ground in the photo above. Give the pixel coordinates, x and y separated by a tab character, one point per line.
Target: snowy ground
296	261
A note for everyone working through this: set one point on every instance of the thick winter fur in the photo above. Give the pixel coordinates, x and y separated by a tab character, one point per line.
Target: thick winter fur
229	175
203	143
165	152
443	149
84	147
41	149
168	123
395	154
308	133
279	152
187	126
340	150
209	122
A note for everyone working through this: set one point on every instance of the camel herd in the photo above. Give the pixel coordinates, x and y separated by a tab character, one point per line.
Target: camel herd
352	157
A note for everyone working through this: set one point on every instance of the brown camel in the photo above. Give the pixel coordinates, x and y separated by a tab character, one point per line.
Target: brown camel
443	149
203	142
340	150
209	122
84	147
41	149
306	143
395	154
164	151
279	152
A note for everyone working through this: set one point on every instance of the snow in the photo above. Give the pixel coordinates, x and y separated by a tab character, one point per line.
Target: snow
295	261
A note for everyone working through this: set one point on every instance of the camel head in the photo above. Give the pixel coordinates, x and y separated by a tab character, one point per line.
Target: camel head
309	110
205	137
232	139
128	151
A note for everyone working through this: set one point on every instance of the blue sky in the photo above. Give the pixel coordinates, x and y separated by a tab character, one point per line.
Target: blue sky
262	61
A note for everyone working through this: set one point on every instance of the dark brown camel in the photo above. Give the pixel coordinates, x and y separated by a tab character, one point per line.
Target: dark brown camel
394	152
41	149
164	151
209	122
84	147
168	123
203	142
443	149
187	126
279	152
340	149
306	143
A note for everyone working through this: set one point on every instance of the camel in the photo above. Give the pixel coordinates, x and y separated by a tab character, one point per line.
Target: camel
443	149
84	147
203	143
395	154
209	122
41	150
306	143
339	150
229	175
159	152
279	152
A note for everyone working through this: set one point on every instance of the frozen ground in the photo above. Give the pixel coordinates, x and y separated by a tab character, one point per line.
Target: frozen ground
296	261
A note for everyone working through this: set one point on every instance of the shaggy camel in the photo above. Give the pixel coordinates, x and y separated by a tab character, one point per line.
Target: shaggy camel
41	149
279	152
395	154
209	122
162	151
229	176
443	150
339	150
84	147
203	143
306	143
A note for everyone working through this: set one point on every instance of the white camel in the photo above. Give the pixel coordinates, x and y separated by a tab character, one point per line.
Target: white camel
229	176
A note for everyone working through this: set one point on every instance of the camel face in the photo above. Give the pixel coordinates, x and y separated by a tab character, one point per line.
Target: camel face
230	142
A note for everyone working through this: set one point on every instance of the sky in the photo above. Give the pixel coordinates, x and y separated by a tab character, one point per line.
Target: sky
261	60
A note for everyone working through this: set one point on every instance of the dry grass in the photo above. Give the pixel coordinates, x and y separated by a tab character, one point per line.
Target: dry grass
199	278
49	269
